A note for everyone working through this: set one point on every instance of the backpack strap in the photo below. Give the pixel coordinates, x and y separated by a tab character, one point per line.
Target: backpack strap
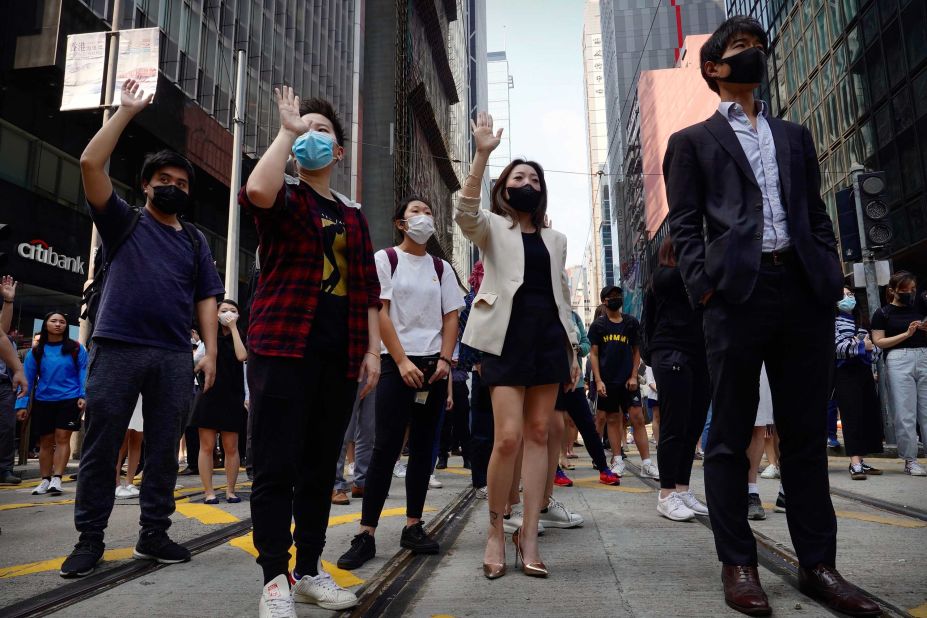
194	237
439	267
129	229
393	260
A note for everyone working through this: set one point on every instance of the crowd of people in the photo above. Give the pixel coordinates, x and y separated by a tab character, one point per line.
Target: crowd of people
362	355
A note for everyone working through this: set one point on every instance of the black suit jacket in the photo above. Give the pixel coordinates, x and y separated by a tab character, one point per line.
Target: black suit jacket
716	210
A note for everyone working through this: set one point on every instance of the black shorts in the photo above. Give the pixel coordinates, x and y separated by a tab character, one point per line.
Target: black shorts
619	399
47	416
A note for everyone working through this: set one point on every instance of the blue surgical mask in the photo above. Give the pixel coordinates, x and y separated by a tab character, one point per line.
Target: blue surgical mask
314	150
847	304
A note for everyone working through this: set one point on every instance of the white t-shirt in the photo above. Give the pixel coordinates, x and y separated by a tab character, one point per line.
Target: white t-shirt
418	303
648	377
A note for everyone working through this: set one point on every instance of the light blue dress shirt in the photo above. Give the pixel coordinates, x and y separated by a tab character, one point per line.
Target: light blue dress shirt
760	149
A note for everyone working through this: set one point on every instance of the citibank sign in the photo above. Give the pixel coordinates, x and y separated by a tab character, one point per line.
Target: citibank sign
40	251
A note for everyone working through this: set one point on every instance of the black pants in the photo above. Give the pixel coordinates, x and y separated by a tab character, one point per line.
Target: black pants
117	373
860	410
481	431
300	409
456	429
685	394
396	409
577	406
782	324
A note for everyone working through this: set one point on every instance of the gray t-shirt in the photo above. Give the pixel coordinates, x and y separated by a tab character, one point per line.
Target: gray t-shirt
150	293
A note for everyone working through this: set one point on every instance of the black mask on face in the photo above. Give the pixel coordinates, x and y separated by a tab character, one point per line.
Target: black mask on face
747	67
905	298
169	199
524	198
614	304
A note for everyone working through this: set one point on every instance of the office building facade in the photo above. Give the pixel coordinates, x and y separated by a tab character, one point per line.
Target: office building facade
499	84
855	73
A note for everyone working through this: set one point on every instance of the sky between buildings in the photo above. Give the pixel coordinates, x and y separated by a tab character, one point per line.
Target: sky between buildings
543	42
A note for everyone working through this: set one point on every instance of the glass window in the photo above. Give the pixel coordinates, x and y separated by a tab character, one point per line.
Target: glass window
867	141
902	109
840	60
911	171
70	184
888	8
878	82
801	67
813	49
860	94
826	77
47	176
920	93
915	33
14	156
883	120
850	9
821	25
888	161
894	53
871	24
854	45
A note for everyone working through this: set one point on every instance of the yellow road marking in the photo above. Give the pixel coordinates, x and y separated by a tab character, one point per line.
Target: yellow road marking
457	471
592	482
338	520
343	578
26	505
205	513
55	563
919	612
887	520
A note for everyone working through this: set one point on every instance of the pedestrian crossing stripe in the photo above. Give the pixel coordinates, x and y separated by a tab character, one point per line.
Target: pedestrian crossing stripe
205	513
919	612
343	578
54	564
26	505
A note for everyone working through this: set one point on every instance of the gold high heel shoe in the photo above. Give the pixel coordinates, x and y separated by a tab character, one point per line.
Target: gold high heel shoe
534	569
495	571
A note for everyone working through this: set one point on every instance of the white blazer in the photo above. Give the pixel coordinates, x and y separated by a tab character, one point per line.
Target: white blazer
503	254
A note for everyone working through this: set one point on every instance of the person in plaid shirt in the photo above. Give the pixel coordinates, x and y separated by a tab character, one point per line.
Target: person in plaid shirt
313	342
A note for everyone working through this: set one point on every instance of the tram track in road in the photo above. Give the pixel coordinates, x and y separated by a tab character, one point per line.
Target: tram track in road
776	557
884	505
109	578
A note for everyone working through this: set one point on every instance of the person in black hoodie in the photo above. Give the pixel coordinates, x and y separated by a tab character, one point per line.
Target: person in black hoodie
676	347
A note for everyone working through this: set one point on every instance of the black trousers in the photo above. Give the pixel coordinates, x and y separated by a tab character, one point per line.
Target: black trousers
396	409
456	429
482	431
300	409
782	325
577	406
685	394
860	410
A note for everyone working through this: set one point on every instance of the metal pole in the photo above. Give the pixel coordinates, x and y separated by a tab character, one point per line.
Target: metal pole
233	241
109	93
873	302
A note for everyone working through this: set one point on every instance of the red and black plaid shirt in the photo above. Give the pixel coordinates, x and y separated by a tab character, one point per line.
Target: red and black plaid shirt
287	294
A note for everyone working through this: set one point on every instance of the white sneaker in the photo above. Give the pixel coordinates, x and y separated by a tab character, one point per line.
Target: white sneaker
650	471
771	472
910	467
434	483
515	521
618	466
123	492
688	498
322	590
557	516
482	493
276	600
133	490
399	470
42	489
672	507
55	486
351	469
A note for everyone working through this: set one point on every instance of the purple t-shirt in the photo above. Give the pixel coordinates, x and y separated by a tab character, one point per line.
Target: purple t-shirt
150	293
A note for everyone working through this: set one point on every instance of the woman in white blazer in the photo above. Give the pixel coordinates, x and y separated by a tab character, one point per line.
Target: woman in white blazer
521	321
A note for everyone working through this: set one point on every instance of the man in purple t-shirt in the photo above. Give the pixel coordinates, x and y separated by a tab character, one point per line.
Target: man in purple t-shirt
160	276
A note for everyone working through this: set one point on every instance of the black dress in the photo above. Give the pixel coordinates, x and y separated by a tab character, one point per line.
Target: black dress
536	350
223	406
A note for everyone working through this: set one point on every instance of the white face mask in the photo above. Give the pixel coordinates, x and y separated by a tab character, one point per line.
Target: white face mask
226	317
420	228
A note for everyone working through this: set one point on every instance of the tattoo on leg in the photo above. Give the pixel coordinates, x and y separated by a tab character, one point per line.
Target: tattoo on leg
493	519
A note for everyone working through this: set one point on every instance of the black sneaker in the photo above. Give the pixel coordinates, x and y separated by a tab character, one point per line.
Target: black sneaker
780	503
363	548
83	560
156	545
415	540
8	478
870	470
857	473
755	510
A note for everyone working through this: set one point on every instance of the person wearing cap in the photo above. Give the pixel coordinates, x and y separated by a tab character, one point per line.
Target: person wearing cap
615	359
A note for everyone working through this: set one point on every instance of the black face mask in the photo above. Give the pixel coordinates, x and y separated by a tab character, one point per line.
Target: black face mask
905	298
614	304
747	67
524	198
169	199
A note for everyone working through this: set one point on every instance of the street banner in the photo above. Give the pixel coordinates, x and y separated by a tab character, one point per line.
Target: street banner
85	66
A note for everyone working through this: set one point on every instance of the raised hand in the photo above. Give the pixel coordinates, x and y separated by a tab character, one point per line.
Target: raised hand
8	288
288	105
486	140
133	98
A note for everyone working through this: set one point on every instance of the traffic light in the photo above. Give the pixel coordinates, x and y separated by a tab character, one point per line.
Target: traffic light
848	226
876	225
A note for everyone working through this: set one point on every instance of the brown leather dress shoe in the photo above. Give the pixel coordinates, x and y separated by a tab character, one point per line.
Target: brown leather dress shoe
357	492
742	590
825	584
340	498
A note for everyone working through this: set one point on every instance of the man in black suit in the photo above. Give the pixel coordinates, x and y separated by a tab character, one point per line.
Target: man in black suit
757	250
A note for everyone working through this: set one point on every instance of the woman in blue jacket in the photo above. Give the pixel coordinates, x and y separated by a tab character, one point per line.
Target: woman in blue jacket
56	369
